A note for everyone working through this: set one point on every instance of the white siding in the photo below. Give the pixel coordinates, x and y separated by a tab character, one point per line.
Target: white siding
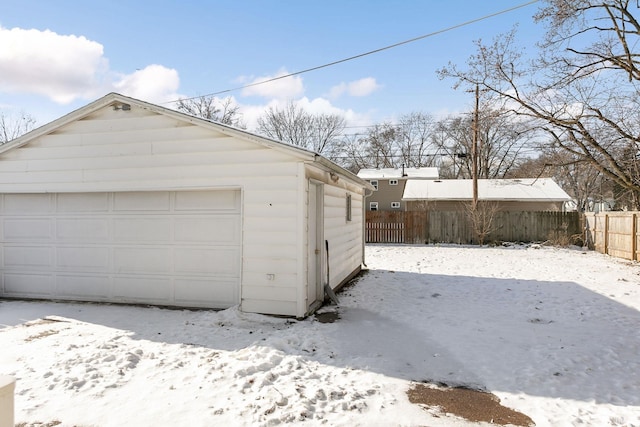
270	278
344	237
125	169
89	155
137	150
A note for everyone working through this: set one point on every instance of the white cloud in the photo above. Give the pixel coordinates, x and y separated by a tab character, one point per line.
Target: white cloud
318	106
61	67
282	88
324	106
338	90
251	113
154	83
65	68
362	87
290	89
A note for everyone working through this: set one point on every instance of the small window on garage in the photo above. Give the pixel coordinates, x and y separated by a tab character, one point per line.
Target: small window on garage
395	205
373	206
374	183
393	182
348	207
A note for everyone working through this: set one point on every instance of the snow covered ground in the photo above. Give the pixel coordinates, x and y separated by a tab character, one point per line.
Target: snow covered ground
555	333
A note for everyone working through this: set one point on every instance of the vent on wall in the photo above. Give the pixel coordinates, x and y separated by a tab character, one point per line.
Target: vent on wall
123	107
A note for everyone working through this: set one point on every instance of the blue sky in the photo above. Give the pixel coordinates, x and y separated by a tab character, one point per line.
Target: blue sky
56	56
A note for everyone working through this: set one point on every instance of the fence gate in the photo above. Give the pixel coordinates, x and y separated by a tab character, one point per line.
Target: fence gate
396	227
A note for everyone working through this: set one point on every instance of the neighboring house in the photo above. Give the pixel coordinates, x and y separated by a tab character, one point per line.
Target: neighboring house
541	194
389	184
129	202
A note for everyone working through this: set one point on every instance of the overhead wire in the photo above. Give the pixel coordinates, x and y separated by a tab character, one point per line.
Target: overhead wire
371	52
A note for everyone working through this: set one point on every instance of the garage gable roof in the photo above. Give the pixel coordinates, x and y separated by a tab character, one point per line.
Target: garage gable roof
529	189
124	102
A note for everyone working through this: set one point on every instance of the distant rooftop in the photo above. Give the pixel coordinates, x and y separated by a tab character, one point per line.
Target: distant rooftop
386	173
526	189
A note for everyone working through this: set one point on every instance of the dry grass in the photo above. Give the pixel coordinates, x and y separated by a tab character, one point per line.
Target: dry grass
41	335
39	424
472	405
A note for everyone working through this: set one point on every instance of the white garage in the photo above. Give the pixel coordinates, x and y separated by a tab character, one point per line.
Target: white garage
126	201
177	248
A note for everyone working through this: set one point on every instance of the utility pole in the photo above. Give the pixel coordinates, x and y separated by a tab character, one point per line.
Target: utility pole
474	150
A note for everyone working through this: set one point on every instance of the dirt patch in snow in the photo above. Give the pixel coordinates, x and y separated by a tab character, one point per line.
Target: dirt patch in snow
327	317
53	423
472	405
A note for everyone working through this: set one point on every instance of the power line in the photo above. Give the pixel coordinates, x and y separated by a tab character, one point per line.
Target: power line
371	52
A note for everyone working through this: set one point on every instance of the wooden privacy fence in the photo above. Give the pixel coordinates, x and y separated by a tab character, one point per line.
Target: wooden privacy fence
614	233
455	227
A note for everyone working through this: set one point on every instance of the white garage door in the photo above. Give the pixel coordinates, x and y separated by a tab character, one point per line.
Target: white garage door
177	248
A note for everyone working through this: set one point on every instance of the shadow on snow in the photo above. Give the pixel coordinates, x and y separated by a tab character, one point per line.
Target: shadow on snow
551	339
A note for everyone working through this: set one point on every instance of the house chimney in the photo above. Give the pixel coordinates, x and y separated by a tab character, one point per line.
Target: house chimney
403	174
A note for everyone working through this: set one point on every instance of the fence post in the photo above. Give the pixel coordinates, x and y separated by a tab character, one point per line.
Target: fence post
606	234
634	257
7	387
590	230
584	226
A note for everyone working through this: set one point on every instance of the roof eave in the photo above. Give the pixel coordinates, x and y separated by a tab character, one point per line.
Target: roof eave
116	97
342	171
61	121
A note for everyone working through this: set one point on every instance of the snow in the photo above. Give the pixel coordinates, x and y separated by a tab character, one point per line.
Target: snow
522	189
554	333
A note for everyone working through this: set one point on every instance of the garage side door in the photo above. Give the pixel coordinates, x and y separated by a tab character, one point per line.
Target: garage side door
176	248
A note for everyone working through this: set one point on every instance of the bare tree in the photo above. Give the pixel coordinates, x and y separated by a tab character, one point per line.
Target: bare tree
353	153
481	217
415	139
224	110
581	89
584	183
408	142
502	138
453	138
12	126
381	147
292	124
